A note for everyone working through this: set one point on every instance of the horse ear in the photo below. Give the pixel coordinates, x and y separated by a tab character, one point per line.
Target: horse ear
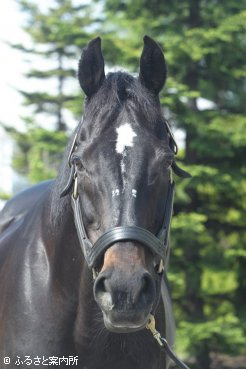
91	67
153	68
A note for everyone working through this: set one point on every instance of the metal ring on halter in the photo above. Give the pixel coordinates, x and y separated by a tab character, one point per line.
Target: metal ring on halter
75	187
94	273
161	267
163	343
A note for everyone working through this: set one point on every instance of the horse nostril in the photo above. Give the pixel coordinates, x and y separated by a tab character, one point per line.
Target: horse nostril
99	285
147	290
102	293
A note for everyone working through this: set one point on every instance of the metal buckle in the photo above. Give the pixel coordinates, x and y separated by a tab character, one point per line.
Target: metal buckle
75	187
161	267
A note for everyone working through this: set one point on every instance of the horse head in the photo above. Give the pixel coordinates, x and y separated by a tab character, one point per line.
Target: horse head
121	162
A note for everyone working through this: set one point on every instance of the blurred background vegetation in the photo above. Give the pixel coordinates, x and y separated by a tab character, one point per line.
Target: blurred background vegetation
204	98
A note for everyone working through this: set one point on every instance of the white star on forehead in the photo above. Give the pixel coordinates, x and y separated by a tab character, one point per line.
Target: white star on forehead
125	136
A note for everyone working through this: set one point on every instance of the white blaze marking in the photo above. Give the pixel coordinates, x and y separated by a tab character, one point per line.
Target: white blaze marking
125	137
134	192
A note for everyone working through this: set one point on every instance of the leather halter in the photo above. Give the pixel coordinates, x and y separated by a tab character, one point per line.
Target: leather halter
157	244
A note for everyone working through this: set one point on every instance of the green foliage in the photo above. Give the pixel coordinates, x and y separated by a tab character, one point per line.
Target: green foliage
224	332
56	34
4	196
38	152
44	158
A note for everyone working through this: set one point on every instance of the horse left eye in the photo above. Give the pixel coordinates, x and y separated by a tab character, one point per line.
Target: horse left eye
168	163
77	162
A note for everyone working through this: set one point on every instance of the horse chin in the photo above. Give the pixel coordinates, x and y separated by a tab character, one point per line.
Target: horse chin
123	325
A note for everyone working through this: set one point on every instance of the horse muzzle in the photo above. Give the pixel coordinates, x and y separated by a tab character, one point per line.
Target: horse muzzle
125	299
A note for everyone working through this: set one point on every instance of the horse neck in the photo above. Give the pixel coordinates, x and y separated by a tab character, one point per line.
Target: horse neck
61	240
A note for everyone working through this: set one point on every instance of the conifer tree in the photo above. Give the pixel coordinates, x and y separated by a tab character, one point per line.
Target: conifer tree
57	33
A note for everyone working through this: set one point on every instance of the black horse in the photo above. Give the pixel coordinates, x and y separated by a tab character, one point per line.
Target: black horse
82	258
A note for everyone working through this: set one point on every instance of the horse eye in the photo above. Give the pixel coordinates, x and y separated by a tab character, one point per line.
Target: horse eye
168	163
77	162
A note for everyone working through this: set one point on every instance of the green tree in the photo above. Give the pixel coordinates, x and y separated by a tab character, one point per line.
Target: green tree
38	152
204	48
56	34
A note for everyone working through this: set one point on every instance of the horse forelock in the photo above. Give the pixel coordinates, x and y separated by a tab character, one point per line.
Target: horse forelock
121	91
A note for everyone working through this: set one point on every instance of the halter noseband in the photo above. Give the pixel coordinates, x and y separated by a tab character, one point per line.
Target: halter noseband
157	244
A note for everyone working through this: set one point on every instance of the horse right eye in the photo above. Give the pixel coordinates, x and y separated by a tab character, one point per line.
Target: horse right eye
78	163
